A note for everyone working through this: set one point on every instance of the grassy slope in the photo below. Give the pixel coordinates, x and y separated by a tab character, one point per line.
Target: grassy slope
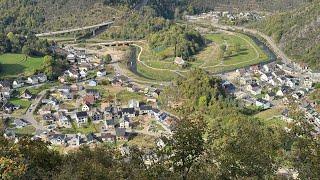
14	65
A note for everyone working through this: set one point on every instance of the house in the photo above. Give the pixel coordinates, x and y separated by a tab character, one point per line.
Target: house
94	93
81	118
145	109
5	93
129	112
20	123
42	78
101	73
89	100
72	140
254	88
71	58
228	87
264	77
280	93
92	83
57	139
67	96
108	137
180	62
110	124
9	107
121	133
266	68
133	103
162	117
5	84
263	103
64	121
155	112
83	73
125	122
26	94
17	83
97	116
64	89
48	118
85	108
32	80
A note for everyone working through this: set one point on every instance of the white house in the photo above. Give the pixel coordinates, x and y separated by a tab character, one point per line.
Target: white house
264	77
263	103
92	83
17	83
42	78
83	73
85	108
32	80
101	73
71	58
280	93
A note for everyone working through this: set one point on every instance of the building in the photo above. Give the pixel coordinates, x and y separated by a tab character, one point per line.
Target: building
81	118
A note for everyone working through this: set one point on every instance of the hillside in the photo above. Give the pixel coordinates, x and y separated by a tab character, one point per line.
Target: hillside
297	32
39	16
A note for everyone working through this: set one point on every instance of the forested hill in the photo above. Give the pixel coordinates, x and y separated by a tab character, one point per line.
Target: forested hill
43	15
297	32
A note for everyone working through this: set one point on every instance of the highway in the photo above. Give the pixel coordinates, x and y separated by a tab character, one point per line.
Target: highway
74	29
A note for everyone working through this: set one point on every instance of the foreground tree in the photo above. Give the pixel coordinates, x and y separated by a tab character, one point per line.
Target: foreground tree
187	144
245	148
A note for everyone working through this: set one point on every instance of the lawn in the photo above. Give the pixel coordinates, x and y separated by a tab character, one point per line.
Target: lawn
249	53
124	96
158	64
15	65
28	130
85	129
142	141
23	103
270	113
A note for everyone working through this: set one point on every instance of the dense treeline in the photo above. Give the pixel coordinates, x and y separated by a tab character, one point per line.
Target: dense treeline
211	140
184	41
24	16
297	32
138	25
30	45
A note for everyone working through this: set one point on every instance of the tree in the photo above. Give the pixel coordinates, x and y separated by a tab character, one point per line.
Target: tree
48	64
245	148
187	144
10	36
26	50
107	58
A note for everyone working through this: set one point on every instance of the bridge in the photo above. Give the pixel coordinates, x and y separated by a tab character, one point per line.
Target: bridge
107	23
117	43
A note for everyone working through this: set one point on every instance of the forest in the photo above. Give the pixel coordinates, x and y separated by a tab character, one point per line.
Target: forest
212	139
297	32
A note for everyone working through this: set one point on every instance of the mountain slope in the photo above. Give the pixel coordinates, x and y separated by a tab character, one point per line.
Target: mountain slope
44	15
297	32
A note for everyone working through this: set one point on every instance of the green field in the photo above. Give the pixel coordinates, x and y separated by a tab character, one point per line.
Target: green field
158	64
248	54
14	65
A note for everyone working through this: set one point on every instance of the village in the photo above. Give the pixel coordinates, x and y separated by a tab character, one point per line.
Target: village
274	85
90	104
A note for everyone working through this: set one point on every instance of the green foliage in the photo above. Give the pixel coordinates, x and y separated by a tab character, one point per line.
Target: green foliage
297	32
182	40
137	26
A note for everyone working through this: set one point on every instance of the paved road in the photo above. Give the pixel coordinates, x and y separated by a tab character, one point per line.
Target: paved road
29	114
74	29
